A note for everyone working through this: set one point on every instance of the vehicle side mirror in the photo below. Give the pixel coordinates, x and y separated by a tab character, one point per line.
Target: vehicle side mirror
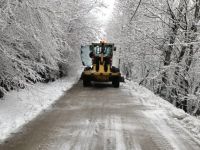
115	48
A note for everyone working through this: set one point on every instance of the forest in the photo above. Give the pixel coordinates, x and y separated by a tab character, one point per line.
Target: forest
157	42
158	46
40	39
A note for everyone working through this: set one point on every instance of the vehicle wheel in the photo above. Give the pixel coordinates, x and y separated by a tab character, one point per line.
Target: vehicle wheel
114	69
86	82
116	82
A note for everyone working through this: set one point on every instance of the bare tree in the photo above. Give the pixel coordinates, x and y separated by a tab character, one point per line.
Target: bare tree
161	44
40	40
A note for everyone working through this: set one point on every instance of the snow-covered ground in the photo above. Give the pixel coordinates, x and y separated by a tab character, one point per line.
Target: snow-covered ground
166	111
19	107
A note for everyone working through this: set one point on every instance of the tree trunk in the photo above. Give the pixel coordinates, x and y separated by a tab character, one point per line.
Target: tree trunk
167	54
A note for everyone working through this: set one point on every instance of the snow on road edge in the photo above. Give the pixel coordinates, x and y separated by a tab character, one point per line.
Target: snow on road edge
147	97
19	107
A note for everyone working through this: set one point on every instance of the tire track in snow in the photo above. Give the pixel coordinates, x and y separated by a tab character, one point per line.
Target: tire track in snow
113	134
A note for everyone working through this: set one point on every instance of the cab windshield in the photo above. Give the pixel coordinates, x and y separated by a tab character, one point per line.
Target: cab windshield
107	50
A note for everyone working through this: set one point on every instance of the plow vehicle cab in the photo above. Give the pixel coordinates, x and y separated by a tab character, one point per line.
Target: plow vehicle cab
98	61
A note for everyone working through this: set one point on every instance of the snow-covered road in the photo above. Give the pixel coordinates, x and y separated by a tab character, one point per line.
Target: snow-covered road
20	107
102	117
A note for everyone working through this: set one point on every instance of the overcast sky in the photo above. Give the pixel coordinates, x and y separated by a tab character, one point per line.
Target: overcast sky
105	13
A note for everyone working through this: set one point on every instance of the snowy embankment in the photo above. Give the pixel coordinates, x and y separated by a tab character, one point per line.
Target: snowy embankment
167	111
19	107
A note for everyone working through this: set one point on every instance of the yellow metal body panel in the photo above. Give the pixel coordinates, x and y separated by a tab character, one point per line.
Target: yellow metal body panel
101	75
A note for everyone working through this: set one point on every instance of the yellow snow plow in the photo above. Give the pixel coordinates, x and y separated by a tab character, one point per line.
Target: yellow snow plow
97	59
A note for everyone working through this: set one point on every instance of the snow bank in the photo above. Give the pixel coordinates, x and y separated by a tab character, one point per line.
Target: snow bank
19	107
188	122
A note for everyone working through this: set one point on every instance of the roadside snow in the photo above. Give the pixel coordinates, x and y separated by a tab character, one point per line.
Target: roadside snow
189	123
19	107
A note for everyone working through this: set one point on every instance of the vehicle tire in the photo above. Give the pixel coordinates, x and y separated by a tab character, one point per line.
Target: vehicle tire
116	82
88	68
114	69
86	82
